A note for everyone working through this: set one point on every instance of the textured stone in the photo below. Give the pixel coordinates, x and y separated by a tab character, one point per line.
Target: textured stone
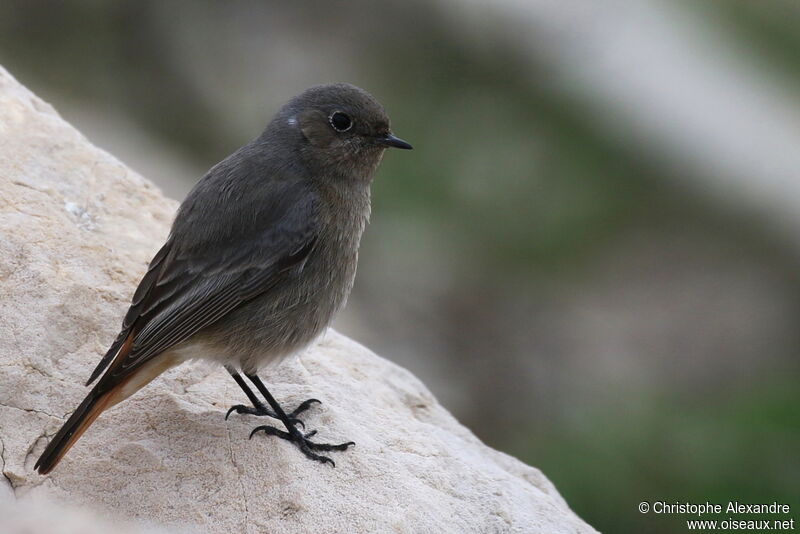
39	517
78	229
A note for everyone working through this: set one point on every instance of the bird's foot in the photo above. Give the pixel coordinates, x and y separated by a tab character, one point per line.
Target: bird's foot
304	443
260	410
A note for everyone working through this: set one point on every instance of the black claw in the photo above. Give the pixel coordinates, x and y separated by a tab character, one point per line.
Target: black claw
251	410
260	411
303	442
272	431
232	409
318	457
289	420
329	447
305	405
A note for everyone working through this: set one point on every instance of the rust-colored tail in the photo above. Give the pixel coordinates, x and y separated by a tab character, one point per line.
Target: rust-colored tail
109	390
92	406
82	418
106	393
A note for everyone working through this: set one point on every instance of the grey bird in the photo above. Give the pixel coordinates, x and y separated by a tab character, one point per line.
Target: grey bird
261	256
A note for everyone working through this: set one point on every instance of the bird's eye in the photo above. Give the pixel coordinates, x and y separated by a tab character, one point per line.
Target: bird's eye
341	122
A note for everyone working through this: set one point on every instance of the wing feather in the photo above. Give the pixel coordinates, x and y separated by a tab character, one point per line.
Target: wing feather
189	288
142	291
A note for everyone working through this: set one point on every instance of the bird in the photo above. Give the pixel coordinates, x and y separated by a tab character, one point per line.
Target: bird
260	257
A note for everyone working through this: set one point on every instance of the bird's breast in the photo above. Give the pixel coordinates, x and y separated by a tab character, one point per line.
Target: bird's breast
296	310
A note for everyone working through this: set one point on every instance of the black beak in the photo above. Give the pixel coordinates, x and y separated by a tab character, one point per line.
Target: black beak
396	142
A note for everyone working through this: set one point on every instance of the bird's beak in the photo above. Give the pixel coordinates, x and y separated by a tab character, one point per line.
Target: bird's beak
396	142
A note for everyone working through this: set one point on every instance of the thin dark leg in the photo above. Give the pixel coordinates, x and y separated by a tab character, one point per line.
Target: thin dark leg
295	436
242	384
258	407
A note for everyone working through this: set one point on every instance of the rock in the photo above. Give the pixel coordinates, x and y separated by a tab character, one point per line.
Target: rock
78	230
43	517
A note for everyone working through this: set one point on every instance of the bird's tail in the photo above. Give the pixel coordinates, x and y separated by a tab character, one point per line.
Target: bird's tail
92	406
110	390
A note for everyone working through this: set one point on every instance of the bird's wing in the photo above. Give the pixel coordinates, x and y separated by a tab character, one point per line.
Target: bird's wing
142	292
189	287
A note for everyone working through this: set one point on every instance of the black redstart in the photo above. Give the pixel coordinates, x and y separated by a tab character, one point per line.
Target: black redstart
261	256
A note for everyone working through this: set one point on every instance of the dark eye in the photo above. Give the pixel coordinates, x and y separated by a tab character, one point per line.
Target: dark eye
341	122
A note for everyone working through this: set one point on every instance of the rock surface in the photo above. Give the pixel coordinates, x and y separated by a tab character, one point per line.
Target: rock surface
78	229
26	517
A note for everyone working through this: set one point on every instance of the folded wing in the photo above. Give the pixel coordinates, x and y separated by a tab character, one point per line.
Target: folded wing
189	286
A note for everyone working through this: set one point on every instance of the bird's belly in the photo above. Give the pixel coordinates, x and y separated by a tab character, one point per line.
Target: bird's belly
283	320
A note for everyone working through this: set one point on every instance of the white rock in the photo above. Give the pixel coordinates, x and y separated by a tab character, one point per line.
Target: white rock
41	517
78	229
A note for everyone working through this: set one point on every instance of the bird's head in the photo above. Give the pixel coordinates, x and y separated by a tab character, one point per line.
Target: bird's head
337	127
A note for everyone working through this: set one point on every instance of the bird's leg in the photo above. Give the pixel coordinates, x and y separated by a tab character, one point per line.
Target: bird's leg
292	433
259	408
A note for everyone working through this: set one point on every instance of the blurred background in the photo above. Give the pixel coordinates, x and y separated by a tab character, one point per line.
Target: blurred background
592	255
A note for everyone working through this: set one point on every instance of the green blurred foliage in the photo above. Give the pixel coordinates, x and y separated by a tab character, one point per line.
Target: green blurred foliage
768	28
517	166
741	445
